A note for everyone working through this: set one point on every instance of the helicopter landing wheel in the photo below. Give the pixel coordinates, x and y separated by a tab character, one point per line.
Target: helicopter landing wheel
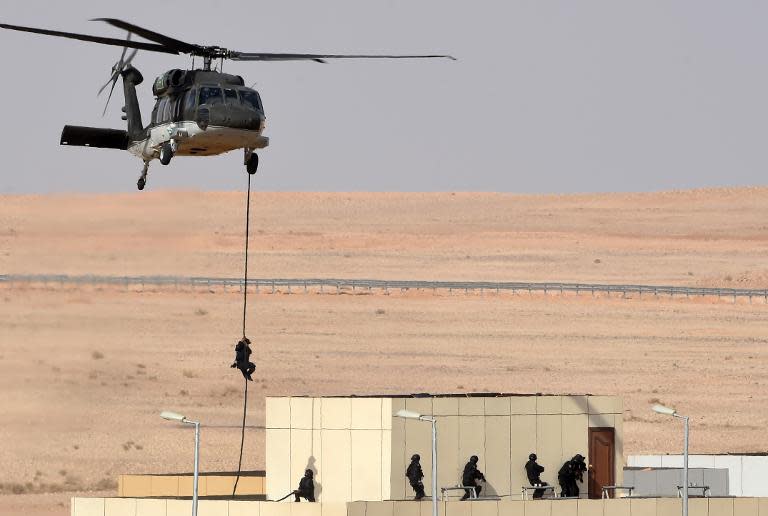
166	153
143	177
252	164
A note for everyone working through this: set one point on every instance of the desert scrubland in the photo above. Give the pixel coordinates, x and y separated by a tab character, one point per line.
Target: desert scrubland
85	371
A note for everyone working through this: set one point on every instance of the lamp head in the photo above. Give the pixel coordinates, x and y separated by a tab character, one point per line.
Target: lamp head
172	416
661	409
407	414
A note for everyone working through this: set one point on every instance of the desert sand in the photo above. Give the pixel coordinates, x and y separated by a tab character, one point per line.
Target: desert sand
85	371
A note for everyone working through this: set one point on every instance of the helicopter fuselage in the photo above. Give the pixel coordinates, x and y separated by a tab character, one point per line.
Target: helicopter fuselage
202	113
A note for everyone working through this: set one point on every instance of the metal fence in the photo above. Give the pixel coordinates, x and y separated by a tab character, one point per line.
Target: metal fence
354	285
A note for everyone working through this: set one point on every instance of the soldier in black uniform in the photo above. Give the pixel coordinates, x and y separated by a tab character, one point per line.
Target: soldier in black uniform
470	477
534	471
242	358
415	475
570	474
306	488
564	476
578	466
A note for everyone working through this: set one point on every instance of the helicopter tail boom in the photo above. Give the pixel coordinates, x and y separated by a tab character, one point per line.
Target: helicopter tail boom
94	137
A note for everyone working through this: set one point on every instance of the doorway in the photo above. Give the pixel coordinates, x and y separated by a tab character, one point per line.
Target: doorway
601	460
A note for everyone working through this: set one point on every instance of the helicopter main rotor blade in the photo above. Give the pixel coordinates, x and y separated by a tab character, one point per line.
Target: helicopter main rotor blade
151	47
320	58
166	41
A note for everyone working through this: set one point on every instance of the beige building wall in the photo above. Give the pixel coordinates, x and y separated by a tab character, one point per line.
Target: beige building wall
143	486
582	507
347	442
502	431
359	450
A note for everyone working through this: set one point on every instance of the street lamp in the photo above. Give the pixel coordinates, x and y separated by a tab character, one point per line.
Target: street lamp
409	414
661	409
173	416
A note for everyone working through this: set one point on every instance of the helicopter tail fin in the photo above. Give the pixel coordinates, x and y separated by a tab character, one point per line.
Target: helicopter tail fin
94	137
132	78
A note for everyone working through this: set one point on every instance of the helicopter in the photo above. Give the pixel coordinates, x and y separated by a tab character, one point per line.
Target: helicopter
197	112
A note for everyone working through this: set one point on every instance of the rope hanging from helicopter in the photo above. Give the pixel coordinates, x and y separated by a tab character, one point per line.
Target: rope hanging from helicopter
243	349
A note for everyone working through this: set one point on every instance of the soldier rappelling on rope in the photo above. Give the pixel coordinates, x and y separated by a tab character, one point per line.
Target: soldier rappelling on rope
242	358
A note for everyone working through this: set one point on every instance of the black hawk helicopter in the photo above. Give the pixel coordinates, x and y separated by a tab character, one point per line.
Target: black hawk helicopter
200	112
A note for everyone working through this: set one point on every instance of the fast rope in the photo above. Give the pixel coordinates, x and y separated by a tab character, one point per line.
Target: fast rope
286	496
245	305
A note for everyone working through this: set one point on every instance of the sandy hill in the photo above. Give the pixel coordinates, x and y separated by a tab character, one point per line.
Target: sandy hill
702	237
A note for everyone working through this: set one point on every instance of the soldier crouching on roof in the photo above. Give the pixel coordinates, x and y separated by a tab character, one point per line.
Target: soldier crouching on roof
470	477
534	471
306	488
242	358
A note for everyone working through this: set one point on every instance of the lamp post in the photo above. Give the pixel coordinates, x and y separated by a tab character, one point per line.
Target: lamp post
409	414
661	409
173	416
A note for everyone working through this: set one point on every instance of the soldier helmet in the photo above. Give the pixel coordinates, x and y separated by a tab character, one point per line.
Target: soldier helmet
532	456
416	456
578	457
309	473
473	459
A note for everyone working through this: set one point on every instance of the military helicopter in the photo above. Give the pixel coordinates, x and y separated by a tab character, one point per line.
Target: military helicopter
198	112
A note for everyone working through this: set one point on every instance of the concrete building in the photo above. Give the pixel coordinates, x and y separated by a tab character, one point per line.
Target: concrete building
359	449
665	482
581	507
746	472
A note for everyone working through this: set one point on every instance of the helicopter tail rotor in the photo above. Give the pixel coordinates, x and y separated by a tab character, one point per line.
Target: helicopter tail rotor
117	68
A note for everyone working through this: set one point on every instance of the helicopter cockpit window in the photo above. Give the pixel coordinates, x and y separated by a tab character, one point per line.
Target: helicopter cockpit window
189	100
250	98
230	95
210	95
168	110
160	109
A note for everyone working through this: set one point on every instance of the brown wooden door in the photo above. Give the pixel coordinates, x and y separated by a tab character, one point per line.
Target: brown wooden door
601	460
